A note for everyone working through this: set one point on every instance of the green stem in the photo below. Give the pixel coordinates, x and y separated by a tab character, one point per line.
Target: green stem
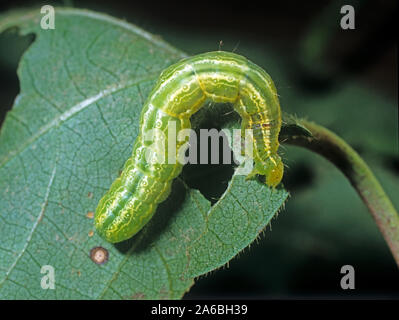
333	148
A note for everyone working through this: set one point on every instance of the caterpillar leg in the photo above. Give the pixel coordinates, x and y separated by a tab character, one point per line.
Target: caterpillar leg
272	169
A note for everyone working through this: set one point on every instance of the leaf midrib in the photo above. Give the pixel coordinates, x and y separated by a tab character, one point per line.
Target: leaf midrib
74	110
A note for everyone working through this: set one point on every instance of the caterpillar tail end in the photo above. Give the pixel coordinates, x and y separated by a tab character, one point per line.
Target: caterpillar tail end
111	227
272	169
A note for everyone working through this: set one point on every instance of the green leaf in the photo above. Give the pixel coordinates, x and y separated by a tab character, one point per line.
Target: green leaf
65	140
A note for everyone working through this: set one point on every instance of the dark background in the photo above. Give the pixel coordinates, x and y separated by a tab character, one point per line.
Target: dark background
344	79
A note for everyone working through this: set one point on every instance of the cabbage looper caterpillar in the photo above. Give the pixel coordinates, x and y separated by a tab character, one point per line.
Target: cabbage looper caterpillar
181	91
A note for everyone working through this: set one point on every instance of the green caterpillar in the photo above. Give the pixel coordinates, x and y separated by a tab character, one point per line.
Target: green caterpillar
181	91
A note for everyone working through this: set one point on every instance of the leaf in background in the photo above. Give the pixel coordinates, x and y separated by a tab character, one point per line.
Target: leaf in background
69	133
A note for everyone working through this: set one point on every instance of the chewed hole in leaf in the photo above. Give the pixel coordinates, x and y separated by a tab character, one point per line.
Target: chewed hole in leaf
209	178
12	47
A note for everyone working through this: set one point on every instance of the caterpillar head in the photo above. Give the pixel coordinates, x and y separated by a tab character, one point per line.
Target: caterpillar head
272	169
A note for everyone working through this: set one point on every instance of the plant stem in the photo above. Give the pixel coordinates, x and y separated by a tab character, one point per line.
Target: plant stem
333	148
